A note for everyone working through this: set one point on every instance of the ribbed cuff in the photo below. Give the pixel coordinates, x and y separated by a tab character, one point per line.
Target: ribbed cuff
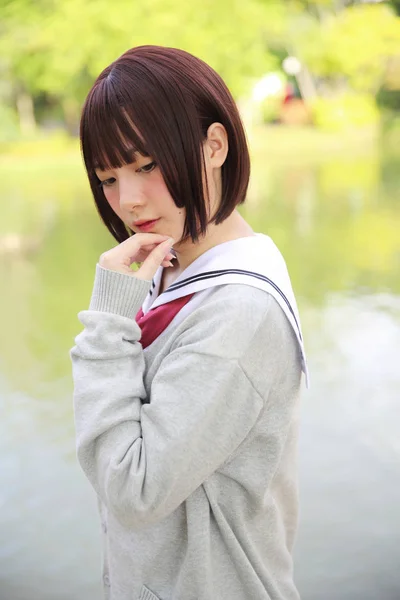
118	293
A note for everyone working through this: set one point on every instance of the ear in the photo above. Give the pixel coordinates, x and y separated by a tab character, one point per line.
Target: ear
216	145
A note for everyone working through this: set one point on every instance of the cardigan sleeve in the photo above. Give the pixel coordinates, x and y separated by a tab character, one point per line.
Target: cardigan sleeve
145	456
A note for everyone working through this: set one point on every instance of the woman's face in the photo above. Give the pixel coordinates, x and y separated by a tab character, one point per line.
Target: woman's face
137	192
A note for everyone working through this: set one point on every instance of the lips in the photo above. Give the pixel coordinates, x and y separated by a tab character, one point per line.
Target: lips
146	225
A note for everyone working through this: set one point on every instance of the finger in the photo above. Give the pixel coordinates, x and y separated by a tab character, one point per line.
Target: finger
141	240
167	263
149	247
149	267
133	248
143	252
142	255
121	257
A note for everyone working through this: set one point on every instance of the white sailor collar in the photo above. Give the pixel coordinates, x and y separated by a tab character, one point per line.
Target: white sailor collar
253	260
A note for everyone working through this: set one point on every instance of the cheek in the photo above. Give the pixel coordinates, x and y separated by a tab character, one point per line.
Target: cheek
158	191
112	197
158	188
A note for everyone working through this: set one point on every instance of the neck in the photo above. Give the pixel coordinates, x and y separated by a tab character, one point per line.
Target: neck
232	228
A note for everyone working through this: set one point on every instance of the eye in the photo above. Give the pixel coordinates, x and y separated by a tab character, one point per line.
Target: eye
148	168
107	182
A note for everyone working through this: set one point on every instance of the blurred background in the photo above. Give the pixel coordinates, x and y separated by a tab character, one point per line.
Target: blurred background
318	87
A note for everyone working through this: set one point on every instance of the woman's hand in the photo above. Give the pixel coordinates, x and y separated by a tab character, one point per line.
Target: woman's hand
150	249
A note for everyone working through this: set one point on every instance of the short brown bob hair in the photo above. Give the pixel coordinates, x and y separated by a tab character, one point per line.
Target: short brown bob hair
160	101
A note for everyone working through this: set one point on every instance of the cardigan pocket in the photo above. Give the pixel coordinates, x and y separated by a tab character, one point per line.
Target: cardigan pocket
146	594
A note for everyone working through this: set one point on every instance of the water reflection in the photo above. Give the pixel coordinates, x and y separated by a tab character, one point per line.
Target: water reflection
349	451
337	224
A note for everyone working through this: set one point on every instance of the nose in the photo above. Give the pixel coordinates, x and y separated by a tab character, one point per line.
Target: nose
130	194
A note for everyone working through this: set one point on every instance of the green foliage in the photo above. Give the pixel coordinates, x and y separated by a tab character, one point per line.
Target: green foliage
8	124
54	49
344	111
389	99
354	45
270	109
59	47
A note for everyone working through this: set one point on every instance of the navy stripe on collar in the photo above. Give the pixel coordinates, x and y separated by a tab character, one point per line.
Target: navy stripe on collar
219	273
153	285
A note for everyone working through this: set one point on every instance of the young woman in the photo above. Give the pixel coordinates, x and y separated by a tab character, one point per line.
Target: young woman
187	373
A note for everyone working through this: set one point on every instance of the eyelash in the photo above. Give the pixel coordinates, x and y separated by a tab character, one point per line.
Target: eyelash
109	182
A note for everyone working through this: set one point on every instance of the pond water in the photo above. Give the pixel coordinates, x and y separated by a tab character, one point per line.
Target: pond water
337	222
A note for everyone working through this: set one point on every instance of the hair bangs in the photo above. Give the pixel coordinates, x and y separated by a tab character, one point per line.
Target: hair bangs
109	138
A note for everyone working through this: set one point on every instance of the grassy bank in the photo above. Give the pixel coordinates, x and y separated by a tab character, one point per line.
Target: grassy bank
276	144
306	144
56	150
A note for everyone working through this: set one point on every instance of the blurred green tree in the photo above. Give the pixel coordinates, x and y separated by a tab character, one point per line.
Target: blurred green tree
352	48
59	47
51	50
